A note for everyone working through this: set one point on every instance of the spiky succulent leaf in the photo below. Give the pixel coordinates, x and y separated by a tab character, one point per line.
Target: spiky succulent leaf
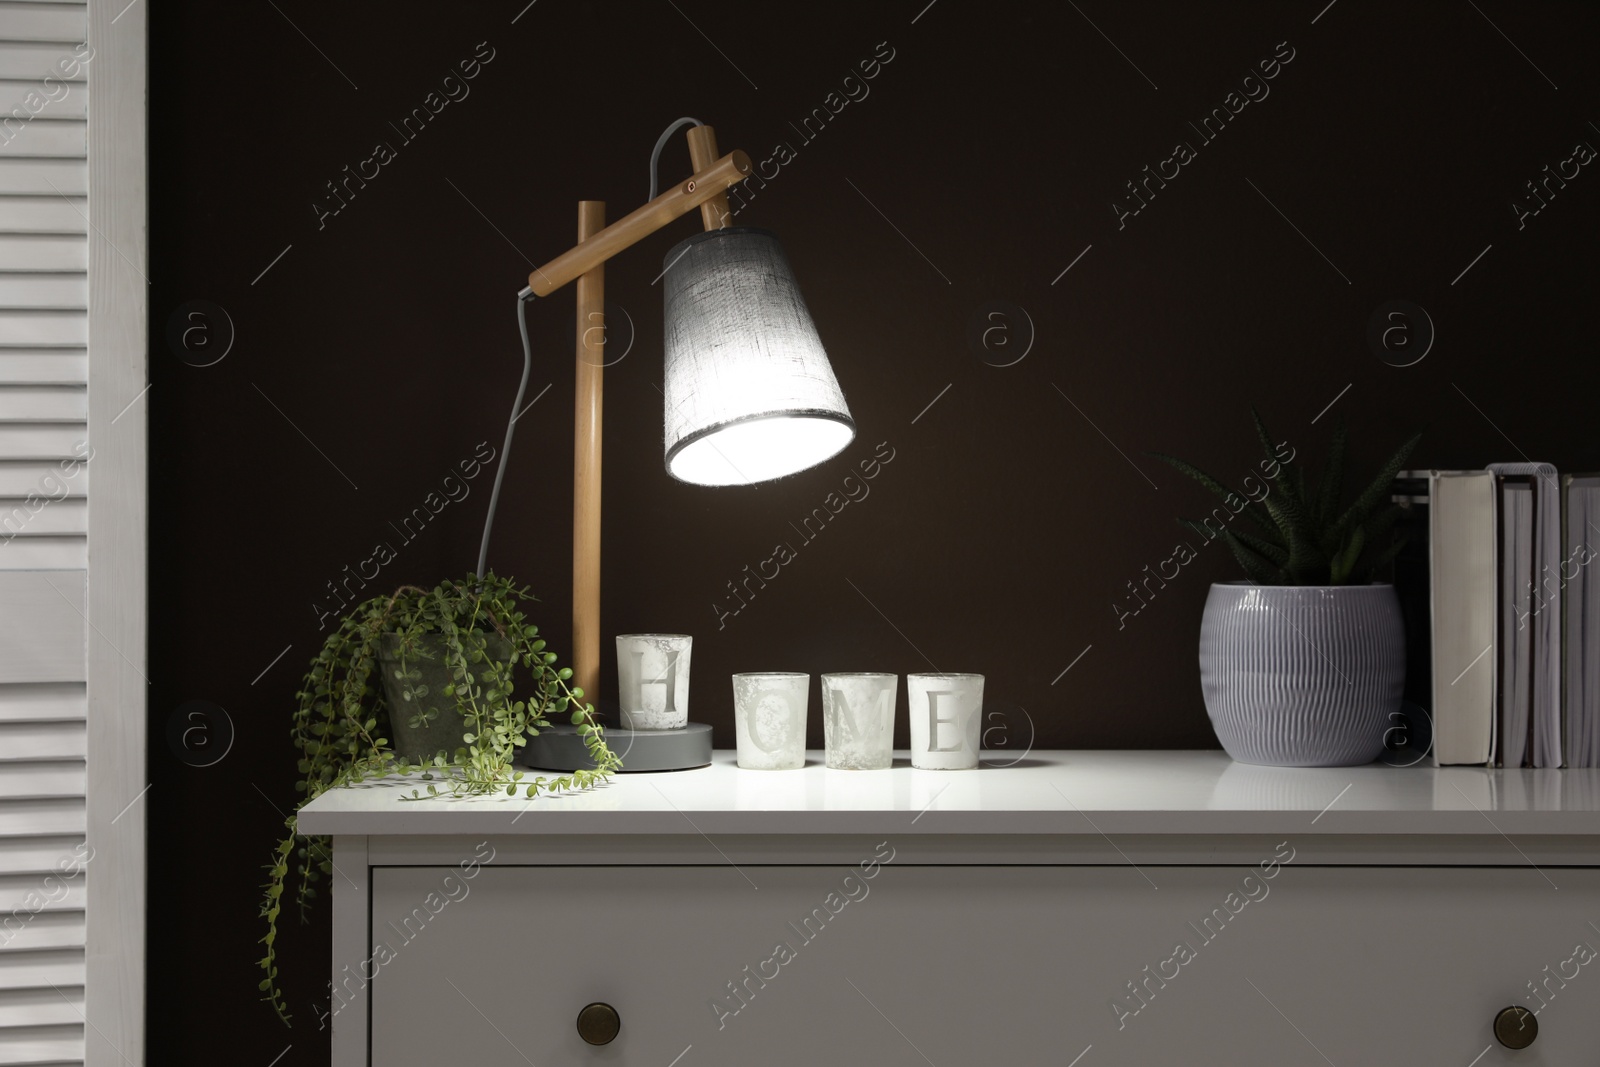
1268	544
1198	528
1344	561
1300	541
1250	510
1305	556
1386	557
1289	481
1260	571
1277	555
1262	435
1379	526
1292	482
1291	490
1375	492
1386	534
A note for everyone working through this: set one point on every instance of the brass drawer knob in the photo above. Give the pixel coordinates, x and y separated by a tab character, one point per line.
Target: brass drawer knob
599	1024
1516	1027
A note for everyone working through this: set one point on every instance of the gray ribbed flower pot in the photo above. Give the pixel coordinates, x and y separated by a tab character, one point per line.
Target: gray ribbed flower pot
1302	676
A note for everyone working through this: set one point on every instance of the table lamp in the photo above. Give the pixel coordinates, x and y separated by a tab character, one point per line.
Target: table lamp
750	396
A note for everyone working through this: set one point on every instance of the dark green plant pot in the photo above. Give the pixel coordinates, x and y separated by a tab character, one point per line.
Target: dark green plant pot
444	733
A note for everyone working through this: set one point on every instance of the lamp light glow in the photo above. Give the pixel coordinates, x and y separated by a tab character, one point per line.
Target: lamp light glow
750	395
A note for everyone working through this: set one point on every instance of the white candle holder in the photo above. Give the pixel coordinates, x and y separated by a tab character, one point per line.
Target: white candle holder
653	680
946	713
858	720
769	719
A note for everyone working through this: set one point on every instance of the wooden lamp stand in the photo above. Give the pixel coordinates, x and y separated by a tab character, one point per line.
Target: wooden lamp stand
584	263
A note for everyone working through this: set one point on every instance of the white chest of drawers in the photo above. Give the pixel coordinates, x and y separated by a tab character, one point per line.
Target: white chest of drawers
1095	908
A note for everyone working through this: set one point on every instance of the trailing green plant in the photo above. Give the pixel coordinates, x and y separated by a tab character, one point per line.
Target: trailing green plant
342	724
1306	536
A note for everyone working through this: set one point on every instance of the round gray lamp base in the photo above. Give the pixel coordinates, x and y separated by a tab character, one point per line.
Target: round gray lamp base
559	748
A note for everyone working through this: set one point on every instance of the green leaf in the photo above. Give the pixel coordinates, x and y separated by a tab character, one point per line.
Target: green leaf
1200	529
1250	510
1267	446
1294	526
1379	526
342	712
1275	554
1343	563
1384	558
1375	492
1261	571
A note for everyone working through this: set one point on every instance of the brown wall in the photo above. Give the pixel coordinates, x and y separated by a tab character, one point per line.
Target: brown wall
379	350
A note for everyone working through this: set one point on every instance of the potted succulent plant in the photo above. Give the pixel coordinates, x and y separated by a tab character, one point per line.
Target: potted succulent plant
1303	664
446	710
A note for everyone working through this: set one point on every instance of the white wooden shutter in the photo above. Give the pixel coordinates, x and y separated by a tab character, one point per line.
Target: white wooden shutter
44	257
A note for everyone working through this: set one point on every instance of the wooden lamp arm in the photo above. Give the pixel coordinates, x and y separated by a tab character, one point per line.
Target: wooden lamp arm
701	188
703	154
585	263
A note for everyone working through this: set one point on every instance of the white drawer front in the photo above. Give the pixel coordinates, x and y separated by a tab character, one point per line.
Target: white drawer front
1358	967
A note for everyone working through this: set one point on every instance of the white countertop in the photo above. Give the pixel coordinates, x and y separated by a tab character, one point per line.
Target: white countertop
1048	792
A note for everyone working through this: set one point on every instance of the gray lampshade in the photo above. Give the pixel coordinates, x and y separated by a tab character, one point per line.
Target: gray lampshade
750	394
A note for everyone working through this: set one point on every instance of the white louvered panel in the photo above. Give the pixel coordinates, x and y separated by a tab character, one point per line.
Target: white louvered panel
43	403
44	214
41	1007
42	780
44	297
38	251
33	970
47	440
70	552
40	855
31	61
50	702
41	817
41	633
41	893
18	478
30	328
41	741
38	518
47	929
41	516
52	403
54	290
44	177
54	22
68	138
41	1046
42	366
73	104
